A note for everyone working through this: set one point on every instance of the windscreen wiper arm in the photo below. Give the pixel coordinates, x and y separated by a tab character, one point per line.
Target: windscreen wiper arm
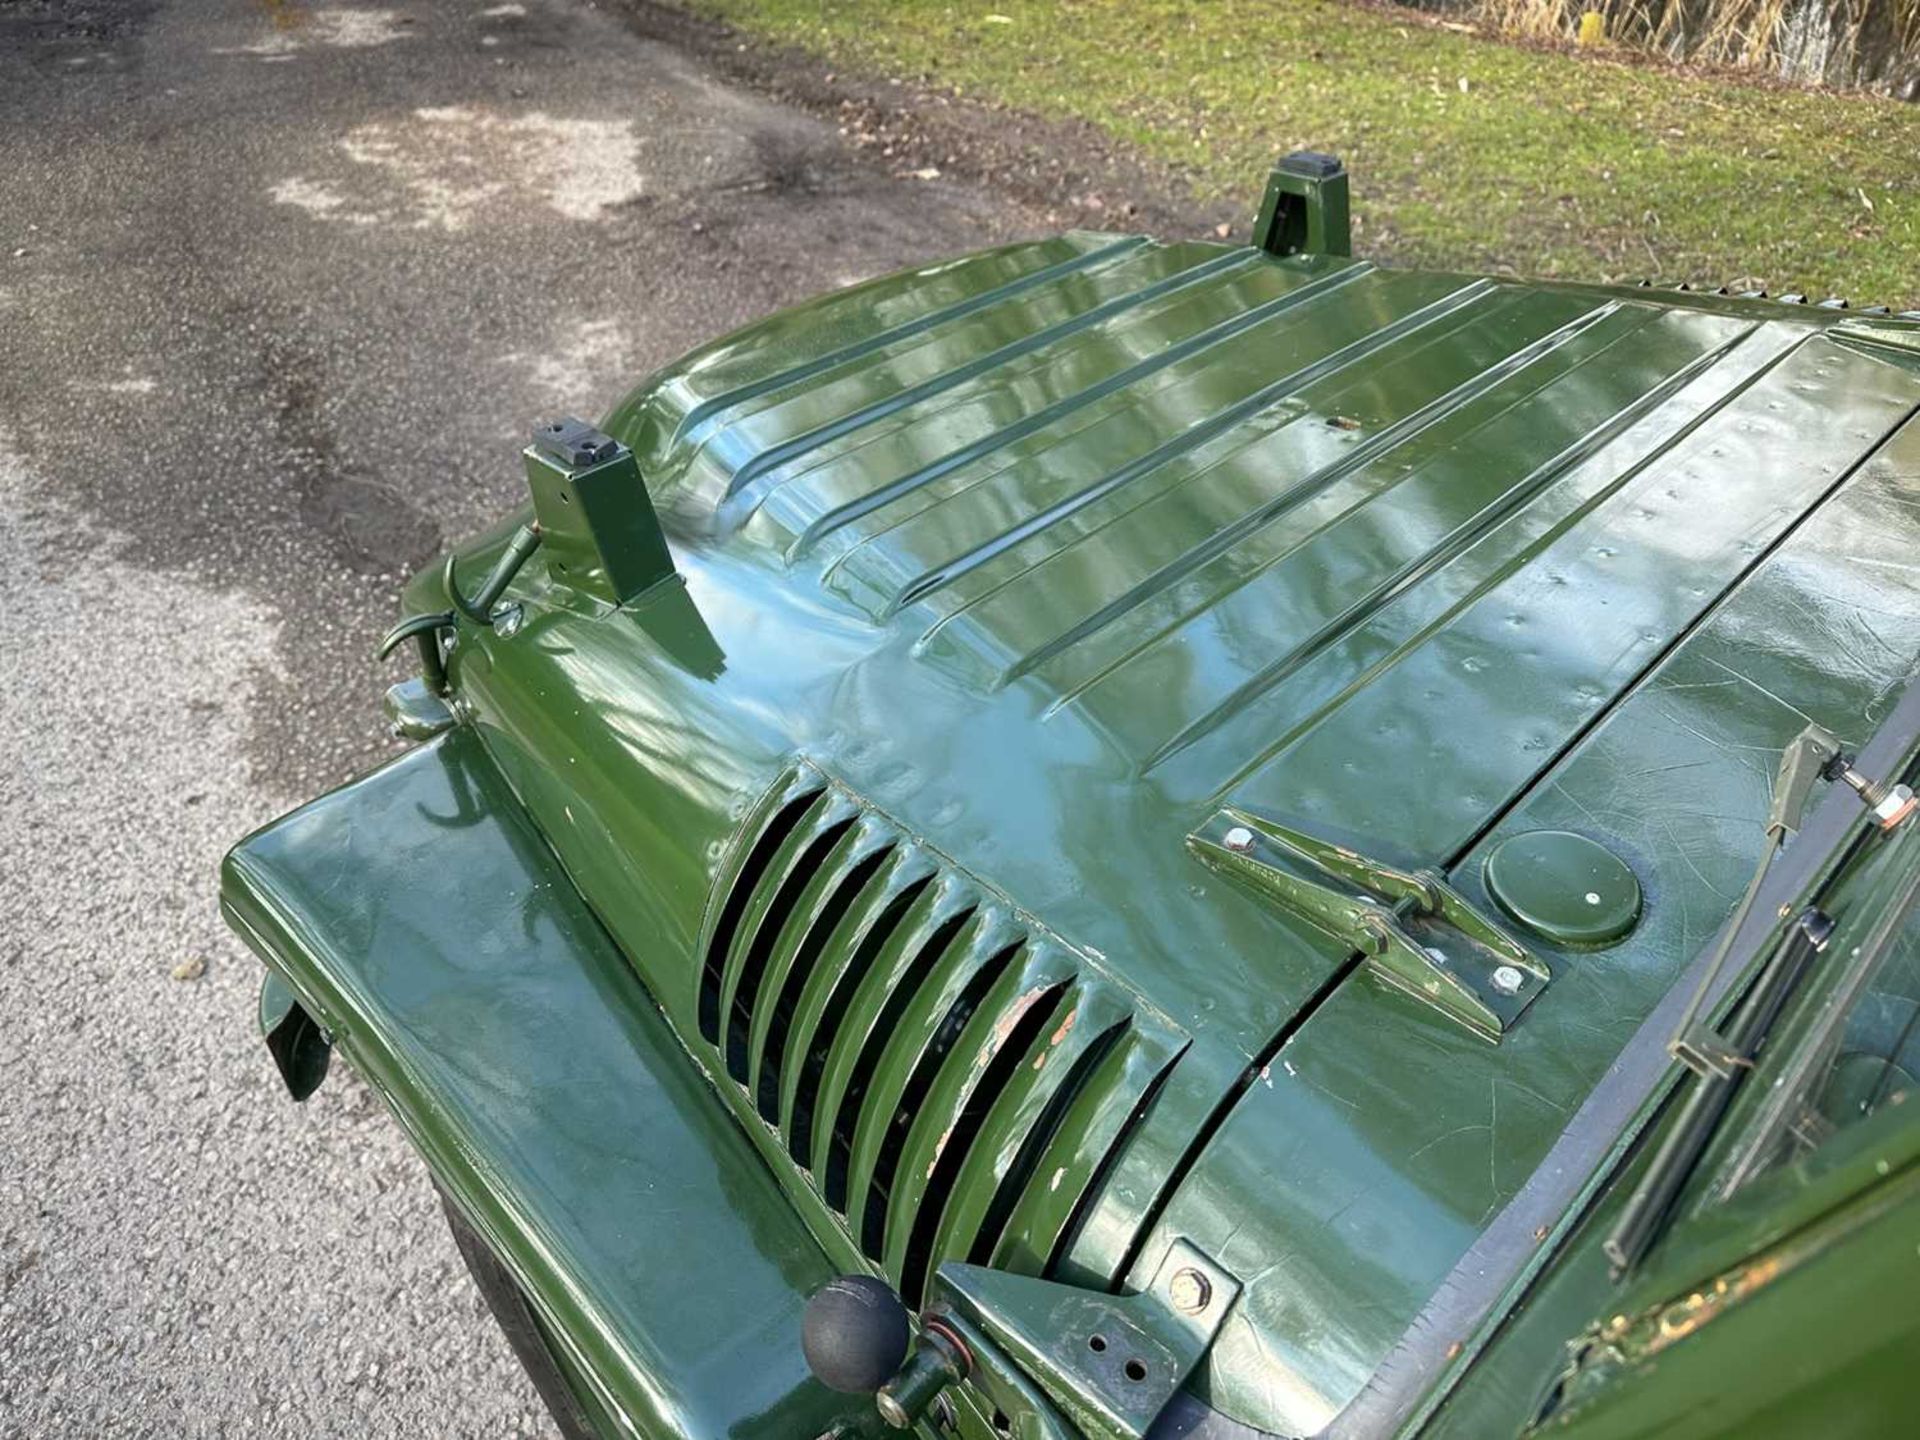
1720	1058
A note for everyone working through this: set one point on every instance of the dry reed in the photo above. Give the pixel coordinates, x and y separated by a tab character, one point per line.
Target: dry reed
1869	42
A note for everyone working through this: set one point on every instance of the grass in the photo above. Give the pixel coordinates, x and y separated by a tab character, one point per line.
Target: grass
1466	152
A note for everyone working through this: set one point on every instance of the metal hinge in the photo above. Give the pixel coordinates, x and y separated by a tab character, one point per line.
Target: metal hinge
1416	931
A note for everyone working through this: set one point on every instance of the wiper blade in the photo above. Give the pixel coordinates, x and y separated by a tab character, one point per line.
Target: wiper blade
1647	1208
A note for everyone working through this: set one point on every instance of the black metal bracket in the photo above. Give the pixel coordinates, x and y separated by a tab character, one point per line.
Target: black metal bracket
300	1048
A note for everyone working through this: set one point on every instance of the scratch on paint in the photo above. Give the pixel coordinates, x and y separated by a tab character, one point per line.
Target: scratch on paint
1749	680
1452	1134
1681	849
1493	1143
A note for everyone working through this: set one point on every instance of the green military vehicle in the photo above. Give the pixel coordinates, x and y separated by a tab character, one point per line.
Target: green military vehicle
1242	843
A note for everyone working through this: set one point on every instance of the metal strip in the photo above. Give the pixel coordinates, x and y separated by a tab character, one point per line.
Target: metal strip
693	425
1078	402
1181	446
780	454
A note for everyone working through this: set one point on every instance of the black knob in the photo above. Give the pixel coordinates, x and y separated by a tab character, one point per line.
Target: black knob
855	1334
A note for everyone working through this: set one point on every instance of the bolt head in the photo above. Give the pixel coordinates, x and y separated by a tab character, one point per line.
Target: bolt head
1898	803
1239	840
1190	1290
1507	979
507	619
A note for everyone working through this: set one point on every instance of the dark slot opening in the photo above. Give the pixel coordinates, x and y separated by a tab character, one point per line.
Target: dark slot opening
966	1129
869	1061
1020	1173
806	957
1221	1110
925	1071
1084	1205
827	1032
751	869
760	949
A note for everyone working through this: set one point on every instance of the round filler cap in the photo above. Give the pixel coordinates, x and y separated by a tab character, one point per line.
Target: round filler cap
1564	886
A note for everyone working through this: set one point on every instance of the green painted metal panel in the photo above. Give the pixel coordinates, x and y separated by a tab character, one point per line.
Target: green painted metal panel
425	925
1394	1192
1777	1306
1025	566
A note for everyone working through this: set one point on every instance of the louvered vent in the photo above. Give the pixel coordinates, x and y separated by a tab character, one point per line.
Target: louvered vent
950	1077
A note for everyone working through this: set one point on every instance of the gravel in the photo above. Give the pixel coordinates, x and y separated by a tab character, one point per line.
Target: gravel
282	288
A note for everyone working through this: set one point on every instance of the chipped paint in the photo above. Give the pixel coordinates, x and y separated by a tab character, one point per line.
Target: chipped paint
1004	1027
940	1145
1055	1040
1684	1316
1066	1026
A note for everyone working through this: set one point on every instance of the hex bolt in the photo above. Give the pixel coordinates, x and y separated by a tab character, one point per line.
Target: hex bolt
1239	840
1890	805
1508	980
1190	1290
507	619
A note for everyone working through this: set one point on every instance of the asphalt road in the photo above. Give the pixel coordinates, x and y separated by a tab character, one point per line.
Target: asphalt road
282	289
